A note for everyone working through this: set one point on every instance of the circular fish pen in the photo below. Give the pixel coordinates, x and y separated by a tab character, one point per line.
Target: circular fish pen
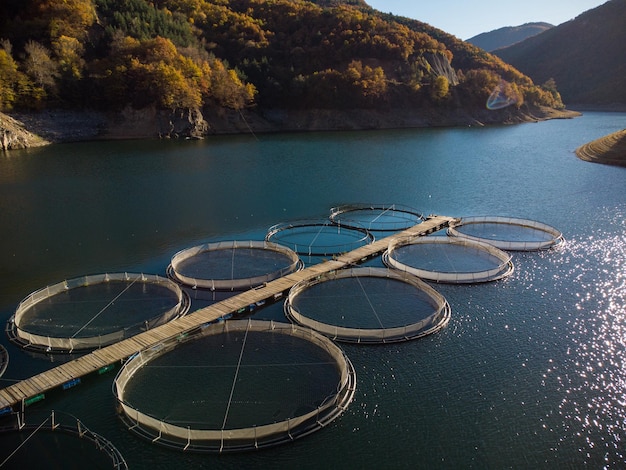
367	305
318	238
94	311
507	233
443	259
232	265
248	385
54	440
376	217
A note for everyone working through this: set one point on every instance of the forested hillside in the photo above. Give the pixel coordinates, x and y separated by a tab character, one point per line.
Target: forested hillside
194	54
586	57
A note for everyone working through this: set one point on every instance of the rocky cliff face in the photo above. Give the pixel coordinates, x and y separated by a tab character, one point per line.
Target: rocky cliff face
440	64
152	123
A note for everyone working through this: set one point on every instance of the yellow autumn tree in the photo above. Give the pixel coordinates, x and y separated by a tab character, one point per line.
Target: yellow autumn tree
69	18
440	88
8	79
154	71
69	53
371	82
162	75
227	89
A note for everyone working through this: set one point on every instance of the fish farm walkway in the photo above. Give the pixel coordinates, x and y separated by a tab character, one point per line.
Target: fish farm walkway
69	373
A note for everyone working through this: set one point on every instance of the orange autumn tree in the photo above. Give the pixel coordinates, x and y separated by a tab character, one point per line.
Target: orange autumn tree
371	82
69	18
155	72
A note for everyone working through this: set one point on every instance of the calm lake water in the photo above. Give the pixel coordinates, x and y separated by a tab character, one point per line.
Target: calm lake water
529	373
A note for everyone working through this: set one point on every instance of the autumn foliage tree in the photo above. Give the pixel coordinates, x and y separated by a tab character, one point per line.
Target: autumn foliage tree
237	53
155	72
16	88
478	85
440	88
41	69
370	82
8	80
50	19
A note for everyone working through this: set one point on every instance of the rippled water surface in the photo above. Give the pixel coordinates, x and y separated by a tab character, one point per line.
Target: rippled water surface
529	373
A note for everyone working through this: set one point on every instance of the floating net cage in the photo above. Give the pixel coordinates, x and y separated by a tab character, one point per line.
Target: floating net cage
507	233
4	360
248	385
54	440
450	260
367	305
94	311
318	237
376	218
232	265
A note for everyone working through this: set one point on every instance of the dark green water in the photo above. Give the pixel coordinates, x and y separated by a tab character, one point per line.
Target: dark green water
528	374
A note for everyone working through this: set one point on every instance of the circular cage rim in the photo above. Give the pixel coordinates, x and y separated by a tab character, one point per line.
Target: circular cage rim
433	323
13	330
557	236
233	284
506	267
367	237
346	208
80	431
314	423
4	359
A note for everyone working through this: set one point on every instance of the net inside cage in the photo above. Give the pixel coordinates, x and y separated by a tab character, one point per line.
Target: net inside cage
443	259
508	233
367	305
376	217
250	384
93	311
51	440
315	238
232	265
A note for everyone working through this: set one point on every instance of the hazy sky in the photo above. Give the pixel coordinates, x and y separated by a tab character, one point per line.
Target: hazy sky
467	18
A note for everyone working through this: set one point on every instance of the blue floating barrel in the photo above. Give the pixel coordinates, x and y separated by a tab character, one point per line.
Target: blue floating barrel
71	383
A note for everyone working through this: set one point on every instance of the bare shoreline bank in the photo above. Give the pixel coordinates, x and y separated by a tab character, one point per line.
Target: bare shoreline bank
609	149
24	130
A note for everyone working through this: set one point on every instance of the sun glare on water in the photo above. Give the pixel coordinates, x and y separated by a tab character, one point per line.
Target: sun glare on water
590	377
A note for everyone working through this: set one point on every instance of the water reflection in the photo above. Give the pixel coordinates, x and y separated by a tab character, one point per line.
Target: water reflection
589	292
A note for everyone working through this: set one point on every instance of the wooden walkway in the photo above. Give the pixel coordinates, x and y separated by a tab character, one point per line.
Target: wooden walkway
21	392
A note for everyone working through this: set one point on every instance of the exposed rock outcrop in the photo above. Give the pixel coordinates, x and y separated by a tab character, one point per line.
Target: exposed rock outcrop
150	122
13	135
441	66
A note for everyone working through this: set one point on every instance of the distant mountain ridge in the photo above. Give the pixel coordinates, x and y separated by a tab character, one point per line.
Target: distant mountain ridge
586	56
508	35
